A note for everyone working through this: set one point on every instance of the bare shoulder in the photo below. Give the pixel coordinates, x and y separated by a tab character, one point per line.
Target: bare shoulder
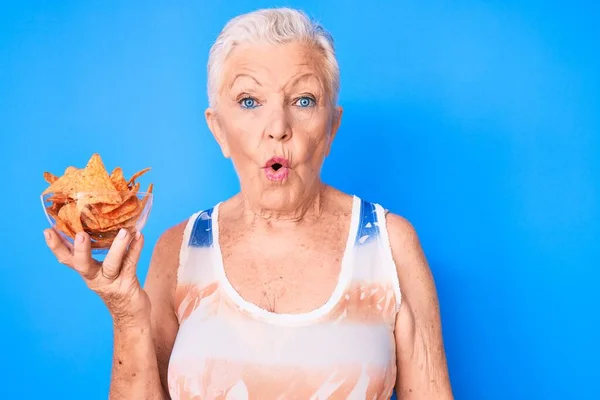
417	285
407	251
171	238
402	233
165	259
168	244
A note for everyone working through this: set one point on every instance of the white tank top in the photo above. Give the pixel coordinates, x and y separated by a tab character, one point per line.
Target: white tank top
229	348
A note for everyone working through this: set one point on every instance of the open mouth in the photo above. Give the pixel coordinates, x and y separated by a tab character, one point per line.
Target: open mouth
277	163
277	169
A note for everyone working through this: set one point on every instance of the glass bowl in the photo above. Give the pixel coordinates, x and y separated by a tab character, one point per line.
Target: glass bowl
100	214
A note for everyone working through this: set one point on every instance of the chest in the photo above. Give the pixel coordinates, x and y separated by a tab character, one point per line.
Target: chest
285	271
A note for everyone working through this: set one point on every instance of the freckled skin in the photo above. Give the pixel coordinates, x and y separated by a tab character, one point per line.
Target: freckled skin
282	242
274	102
286	269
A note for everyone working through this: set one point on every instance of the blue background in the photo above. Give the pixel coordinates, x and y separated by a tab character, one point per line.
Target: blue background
478	121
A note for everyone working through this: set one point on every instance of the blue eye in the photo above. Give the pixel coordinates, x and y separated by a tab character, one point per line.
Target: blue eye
248	102
305	101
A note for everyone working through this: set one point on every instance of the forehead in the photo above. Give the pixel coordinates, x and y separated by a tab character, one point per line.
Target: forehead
274	62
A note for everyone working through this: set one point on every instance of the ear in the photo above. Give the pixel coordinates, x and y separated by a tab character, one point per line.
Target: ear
335	125
215	127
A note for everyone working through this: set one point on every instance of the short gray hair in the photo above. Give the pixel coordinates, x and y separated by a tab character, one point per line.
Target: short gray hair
273	26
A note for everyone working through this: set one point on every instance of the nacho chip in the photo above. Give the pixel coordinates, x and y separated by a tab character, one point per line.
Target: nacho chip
94	201
118	180
64	228
137	175
96	183
89	219
50	178
126	207
134	189
128	197
61	223
106	224
67	184
71	215
52	211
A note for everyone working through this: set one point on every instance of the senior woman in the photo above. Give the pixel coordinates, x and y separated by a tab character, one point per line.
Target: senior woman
290	289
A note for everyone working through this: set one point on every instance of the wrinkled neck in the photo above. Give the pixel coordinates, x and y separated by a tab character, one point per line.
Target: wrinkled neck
308	207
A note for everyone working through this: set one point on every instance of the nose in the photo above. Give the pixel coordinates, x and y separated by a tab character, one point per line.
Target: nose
279	127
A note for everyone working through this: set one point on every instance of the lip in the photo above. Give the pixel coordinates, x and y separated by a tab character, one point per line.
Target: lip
277	160
281	173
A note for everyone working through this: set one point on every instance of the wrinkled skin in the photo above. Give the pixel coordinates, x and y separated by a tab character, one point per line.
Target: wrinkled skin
274	101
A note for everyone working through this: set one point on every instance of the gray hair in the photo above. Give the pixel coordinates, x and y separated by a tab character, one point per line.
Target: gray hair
273	26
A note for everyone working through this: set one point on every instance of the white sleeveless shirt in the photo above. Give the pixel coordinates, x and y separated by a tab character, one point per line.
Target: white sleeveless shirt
229	348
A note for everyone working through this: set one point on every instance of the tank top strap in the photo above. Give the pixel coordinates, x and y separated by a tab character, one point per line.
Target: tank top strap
373	261
195	273
368	228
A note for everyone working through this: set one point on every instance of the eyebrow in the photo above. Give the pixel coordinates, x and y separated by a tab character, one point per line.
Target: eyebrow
242	76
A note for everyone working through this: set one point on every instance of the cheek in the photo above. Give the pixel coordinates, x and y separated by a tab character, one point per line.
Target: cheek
313	134
243	134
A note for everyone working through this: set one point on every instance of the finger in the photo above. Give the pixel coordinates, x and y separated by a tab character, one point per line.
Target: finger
114	258
57	246
82	256
133	255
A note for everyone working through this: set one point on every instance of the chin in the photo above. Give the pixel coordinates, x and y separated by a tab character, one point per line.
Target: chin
279	197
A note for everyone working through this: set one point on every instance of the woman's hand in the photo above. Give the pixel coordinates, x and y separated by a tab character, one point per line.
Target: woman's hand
114	279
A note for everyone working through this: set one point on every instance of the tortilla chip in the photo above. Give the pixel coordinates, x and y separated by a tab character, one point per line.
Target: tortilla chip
64	228
67	184
128	206
50	178
71	215
137	175
100	223
96	184
93	201
118	180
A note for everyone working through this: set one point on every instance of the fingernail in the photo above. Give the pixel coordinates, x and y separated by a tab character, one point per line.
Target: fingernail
122	233
137	235
79	237
47	235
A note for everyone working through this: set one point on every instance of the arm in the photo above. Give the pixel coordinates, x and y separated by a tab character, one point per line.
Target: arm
144	322
143	347
160	285
421	359
135	370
